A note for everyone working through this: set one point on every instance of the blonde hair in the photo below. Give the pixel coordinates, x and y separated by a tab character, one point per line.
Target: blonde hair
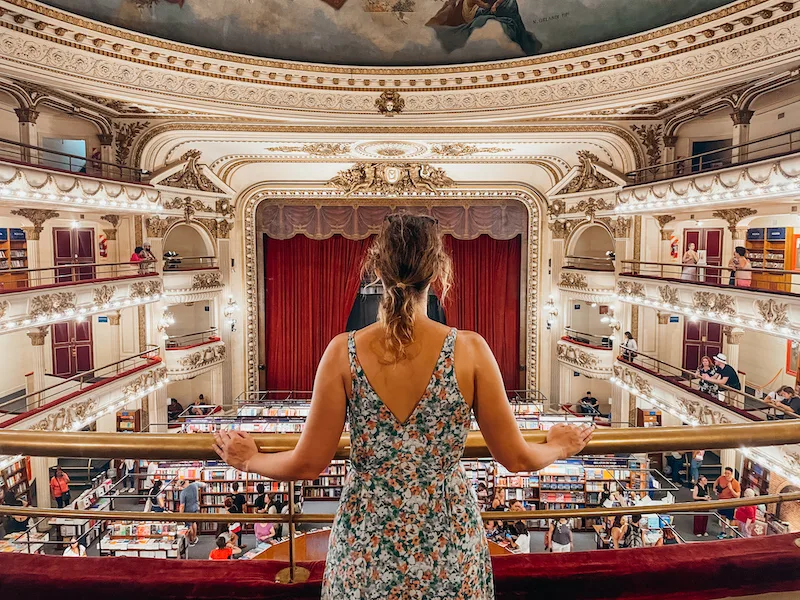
408	255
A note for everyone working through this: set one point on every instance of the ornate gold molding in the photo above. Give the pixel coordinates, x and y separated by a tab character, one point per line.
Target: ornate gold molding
65	418
315	149
573	280
37	216
458	149
143	289
773	313
203	358
391	179
103	294
733	216
205	281
47	305
191	176
588	178
718	303
37	335
576	356
188	205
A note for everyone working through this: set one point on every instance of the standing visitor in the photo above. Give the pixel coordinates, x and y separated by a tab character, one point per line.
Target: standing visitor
696	463
560	536
156	497
726	488
739	266
59	488
629	346
675	462
634	537
260	503
275	507
136	257
701	493
408	387
690	260
189	502
706	372
239	499
745	516
75	548
726	375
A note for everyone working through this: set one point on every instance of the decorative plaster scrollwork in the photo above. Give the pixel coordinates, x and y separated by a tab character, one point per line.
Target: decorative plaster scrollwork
4	306
188	205
573	280
718	303
699	410
103	294
555	208
65	418
390	103
224	208
562	229
633	379
201	358
125	134
733	216
588	178
629	288
143	289
315	149
48	305
590	206
663	220
772	312
391	178
668	294
144	381
157	227
651	138
219	228
457	149
204	281
576	356
191	177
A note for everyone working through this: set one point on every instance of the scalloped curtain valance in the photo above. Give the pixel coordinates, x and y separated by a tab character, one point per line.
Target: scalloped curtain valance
501	221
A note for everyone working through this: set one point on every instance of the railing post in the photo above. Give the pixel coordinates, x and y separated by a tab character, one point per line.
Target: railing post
293	573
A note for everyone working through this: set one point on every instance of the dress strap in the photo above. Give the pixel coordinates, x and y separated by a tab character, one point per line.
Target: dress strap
351	352
449	346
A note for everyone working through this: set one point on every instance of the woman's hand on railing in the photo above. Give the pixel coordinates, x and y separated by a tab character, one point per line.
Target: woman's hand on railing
570	438
236	448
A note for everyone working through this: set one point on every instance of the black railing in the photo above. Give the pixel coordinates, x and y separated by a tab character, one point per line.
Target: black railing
189	263
175	342
69	163
589	263
752	151
588	339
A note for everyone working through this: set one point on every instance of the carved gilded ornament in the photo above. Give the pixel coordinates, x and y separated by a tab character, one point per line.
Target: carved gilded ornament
4	306
457	149
125	134
145	289
577	356
702	412
144	381
38	335
651	138
733	216
663	318
620	227
37	216
191	177
390	103
668	294
157	227
555	208
218	228
202	358
188	205
315	149
113	219
224	208
561	229
629	288
573	280
65	418
391	178
590	206
103	294
722	304
48	305
588	177
733	335
204	281
773	313
633	379
663	220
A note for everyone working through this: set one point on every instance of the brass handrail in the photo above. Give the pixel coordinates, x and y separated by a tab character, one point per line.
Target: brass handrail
169	517
198	446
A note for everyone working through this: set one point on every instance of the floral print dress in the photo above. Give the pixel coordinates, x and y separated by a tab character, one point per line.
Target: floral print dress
408	525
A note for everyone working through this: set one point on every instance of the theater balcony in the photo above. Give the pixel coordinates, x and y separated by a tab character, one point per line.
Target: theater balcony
37	297
765	170
191	279
771	304
590	355
41	177
74	403
588	278
658	385
190	355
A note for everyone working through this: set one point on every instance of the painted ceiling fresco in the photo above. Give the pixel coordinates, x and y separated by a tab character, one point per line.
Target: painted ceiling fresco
389	32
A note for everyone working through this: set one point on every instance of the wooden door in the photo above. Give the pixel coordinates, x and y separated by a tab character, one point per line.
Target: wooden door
73	351
709	240
73	246
700	338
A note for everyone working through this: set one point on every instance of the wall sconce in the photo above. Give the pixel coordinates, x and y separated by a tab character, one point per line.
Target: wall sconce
167	319
549	309
229	311
610	320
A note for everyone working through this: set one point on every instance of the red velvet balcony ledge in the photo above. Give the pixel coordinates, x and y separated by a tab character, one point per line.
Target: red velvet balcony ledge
704	571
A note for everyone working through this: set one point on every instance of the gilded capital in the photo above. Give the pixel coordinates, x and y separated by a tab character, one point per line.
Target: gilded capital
663	220
111	234
32	234
666	235
27	115
733	335
741	116
663	318
670	141
37	336
113	318
106	139
37	216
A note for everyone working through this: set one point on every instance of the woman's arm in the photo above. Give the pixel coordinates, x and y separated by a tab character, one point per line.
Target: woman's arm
320	438
498	426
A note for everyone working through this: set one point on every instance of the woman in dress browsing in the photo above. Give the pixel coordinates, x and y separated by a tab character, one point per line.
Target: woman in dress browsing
408	524
690	260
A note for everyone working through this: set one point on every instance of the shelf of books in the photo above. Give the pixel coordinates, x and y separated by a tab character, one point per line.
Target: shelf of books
14	480
328	486
13	257
144	540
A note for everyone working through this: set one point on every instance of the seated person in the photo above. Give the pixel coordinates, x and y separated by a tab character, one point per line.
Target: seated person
589	405
789	401
174	409
265	533
650	537
224	550
16	524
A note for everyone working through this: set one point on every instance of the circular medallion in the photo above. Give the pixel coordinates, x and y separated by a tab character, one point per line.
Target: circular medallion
390	149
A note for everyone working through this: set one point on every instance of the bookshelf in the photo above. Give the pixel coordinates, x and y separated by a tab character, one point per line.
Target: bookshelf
14	480
755	476
328	486
13	255
771	248
129	420
648	418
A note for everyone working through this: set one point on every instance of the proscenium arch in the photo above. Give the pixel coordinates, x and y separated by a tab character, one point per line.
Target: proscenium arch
595	229
249	199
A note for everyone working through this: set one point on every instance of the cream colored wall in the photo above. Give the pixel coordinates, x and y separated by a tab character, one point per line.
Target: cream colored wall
17	359
56	124
761	358
585	319
9	124
599	388
188	241
191	318
592	241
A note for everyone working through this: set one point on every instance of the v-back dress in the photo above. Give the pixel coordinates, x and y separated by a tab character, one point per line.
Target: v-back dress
408	525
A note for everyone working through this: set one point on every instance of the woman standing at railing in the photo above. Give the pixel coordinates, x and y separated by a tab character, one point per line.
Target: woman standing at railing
739	265
690	259
408	521
707	368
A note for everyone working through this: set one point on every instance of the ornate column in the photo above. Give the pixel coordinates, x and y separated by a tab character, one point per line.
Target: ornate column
738	235
217	387
741	133
27	133
111	237
620	407
559	232
106	153
37	338
728	458
670	141
116	347
32	235
664	255
40	474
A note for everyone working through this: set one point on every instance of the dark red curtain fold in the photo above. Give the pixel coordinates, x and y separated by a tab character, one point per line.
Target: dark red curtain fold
309	291
485	296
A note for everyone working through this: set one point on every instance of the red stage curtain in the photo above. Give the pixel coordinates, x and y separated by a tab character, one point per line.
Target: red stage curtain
309	291
485	296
